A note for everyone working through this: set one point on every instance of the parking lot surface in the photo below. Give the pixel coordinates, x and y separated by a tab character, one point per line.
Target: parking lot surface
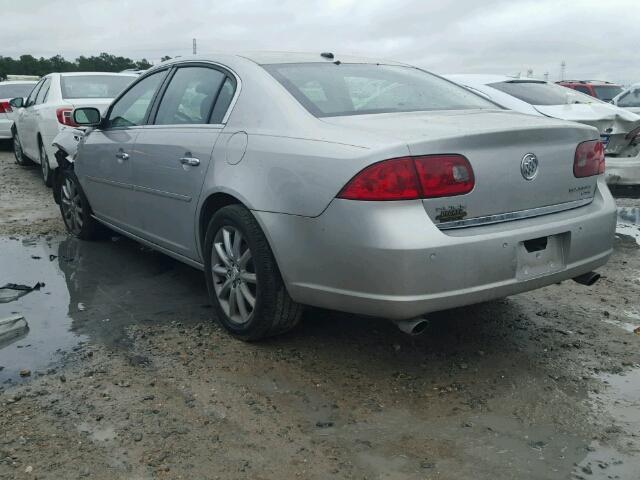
124	374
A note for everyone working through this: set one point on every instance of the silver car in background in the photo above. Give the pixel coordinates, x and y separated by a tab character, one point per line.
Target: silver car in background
340	182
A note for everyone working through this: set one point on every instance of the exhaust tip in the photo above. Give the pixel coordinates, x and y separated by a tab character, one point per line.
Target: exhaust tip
587	279
414	327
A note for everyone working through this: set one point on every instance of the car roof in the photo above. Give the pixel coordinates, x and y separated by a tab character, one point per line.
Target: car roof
484	79
267	57
76	74
19	82
589	82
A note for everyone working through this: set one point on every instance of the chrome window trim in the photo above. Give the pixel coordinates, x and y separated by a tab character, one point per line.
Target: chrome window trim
521	214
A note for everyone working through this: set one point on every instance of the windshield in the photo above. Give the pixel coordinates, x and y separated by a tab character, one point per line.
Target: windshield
13	90
542	93
329	89
607	93
94	86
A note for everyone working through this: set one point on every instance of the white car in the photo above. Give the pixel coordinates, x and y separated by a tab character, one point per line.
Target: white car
619	128
47	110
629	99
9	90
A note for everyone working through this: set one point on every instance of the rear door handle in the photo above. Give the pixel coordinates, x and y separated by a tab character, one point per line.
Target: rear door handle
122	156
193	162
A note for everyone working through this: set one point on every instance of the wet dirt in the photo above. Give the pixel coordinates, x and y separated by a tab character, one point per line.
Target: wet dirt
129	377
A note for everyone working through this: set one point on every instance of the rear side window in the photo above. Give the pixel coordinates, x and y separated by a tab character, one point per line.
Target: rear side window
328	89
189	97
13	90
93	86
541	93
224	101
131	109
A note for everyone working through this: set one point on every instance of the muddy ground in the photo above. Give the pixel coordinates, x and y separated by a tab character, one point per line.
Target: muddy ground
124	375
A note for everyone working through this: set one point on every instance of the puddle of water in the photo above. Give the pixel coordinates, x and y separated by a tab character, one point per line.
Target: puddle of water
93	291
629	222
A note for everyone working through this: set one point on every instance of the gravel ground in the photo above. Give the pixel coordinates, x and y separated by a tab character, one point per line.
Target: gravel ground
123	374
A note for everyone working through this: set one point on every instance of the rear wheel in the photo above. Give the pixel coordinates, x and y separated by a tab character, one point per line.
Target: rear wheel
21	159
47	176
243	279
75	209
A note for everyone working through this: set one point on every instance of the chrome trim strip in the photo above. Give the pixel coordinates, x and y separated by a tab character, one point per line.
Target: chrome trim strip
138	188
505	217
126	186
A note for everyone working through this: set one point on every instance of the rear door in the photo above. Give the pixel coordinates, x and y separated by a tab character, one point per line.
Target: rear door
173	154
105	158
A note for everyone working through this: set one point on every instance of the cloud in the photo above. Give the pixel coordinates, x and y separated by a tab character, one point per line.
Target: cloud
596	39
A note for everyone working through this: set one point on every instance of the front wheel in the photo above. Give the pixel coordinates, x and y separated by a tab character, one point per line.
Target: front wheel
243	279
47	176
75	209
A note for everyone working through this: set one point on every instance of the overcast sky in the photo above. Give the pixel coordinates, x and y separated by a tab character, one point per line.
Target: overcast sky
598	39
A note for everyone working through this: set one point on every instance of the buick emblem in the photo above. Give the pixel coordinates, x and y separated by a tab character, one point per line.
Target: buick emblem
529	166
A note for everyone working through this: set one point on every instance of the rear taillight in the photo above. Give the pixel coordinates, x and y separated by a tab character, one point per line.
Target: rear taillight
5	107
409	178
64	116
589	159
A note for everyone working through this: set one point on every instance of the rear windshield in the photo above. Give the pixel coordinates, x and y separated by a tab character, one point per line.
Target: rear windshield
13	90
542	93
607	93
329	89
94	86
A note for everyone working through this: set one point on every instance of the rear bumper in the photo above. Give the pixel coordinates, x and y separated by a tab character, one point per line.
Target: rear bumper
387	259
623	170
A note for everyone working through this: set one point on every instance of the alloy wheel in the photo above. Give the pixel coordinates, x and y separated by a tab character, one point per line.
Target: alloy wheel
234	276
71	203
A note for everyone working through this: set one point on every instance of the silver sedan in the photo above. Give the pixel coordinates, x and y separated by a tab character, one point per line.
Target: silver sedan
339	182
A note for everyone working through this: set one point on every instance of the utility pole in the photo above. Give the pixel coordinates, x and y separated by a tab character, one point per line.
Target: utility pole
563	67
195	48
546	76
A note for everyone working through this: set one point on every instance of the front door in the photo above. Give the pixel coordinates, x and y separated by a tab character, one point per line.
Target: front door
105	157
26	124
174	153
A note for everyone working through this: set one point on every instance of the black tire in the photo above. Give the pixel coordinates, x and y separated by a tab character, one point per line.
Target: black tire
274	312
75	209
18	153
45	168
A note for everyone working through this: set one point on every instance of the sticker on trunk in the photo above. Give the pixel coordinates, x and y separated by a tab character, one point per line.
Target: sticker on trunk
451	213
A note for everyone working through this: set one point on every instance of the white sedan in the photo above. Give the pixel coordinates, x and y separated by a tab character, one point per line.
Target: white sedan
47	110
619	128
9	90
629	99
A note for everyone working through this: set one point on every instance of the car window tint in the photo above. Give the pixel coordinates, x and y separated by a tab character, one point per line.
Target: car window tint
13	90
131	109
189	97
607	93
224	100
44	90
542	93
32	96
631	99
582	89
330	89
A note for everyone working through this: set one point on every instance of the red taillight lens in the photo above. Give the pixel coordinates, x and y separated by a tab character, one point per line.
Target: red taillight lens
5	107
409	178
589	159
65	117
444	175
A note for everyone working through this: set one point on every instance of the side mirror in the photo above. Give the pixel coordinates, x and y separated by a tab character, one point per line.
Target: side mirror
87	116
17	102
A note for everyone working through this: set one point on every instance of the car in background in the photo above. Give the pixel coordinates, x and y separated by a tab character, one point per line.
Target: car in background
599	89
358	185
619	128
629	99
47	110
9	90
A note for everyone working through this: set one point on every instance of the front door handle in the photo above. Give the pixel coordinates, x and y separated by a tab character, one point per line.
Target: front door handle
193	162
122	156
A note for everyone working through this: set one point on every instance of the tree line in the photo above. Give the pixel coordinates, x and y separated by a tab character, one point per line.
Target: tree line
105	62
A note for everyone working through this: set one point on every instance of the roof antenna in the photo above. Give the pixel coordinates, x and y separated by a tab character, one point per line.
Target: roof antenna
328	55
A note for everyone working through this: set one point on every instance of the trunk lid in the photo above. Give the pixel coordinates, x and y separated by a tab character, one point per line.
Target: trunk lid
101	104
612	122
495	143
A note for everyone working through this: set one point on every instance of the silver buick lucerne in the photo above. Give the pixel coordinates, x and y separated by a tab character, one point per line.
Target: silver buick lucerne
363	186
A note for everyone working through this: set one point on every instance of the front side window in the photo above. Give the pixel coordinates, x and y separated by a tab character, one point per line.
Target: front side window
631	99
14	90
94	86
31	99
189	97
132	108
541	93
327	89
44	90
